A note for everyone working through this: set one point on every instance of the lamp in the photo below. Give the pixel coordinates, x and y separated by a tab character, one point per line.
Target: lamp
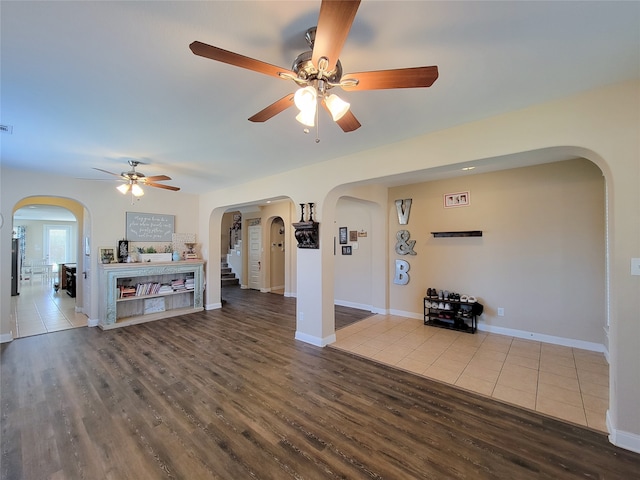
136	190
307	117
124	188
305	98
336	106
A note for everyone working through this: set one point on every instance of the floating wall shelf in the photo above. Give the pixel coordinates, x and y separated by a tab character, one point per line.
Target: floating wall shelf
465	233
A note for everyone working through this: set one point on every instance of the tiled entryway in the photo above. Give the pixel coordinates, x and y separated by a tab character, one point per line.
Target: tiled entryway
39	309
563	382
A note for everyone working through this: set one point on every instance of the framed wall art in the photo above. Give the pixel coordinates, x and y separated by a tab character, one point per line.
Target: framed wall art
346	250
107	254
457	199
343	235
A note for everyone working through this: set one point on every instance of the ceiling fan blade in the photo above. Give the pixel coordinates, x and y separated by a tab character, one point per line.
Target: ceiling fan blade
156	178
110	173
334	23
348	122
225	56
159	185
399	78
273	109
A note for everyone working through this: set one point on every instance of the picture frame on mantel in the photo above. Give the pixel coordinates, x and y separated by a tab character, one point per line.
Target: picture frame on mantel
106	255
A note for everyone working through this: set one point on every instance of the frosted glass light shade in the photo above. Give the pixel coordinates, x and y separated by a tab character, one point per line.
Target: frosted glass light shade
136	190
336	106
305	97
307	117
124	188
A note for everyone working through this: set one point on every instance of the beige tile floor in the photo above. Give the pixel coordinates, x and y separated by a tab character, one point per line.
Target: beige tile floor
39	309
563	382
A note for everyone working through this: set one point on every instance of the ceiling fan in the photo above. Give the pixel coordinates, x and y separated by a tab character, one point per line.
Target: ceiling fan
319	70
132	180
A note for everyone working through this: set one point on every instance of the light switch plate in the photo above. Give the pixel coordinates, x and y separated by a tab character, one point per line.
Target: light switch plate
635	266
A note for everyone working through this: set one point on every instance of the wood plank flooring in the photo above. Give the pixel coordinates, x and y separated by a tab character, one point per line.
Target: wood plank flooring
229	394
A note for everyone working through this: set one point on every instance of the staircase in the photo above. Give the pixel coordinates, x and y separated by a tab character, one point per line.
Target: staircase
227	277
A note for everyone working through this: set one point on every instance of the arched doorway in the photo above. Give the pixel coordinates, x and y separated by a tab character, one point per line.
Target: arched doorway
47	236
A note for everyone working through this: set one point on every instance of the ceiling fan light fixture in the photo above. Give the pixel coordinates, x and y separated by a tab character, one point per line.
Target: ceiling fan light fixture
307	117
124	188
337	106
305	98
136	190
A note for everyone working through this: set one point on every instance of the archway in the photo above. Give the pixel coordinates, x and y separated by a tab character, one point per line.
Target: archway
48	242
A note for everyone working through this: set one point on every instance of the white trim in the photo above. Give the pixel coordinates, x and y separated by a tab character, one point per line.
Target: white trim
626	440
401	313
92	322
566	342
318	342
359	306
381	311
289	294
213	306
6	337
265	290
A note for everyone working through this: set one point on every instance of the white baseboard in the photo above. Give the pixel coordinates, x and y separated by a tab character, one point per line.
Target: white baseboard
6	337
622	439
359	306
540	337
402	313
92	322
289	294
213	306
317	341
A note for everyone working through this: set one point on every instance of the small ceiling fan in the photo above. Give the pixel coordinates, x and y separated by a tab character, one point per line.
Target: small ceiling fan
319	70
133	179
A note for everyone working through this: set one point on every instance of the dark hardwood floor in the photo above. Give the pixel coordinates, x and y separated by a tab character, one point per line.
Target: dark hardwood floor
229	394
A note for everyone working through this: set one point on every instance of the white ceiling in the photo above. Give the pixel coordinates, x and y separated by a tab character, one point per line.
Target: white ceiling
92	84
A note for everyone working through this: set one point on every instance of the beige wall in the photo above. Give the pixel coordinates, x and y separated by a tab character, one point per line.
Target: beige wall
541	256
353	272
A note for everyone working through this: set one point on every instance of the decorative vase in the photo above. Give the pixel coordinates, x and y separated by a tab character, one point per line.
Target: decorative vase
176	256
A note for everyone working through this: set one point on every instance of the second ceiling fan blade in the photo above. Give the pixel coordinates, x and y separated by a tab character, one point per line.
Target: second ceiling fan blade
399	78
225	56
156	178
110	173
334	23
273	109
159	185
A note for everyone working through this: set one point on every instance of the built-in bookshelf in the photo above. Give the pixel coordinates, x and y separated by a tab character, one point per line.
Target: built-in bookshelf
142	292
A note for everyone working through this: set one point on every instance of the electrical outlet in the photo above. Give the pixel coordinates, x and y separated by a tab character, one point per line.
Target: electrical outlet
500	312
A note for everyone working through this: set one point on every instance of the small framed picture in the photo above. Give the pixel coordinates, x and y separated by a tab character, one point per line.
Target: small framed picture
458	199
107	254
353	235
343	235
346	249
